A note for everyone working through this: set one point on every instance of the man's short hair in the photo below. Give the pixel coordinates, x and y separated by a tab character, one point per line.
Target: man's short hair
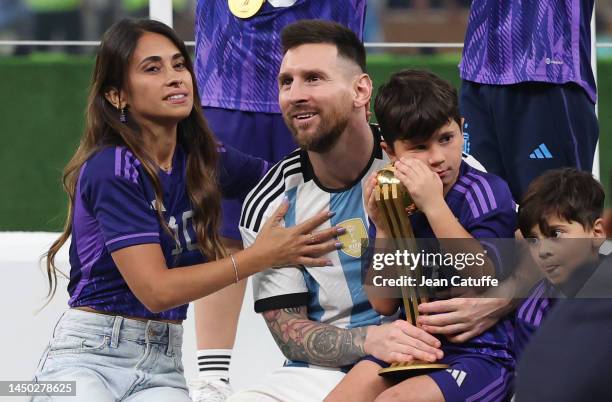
306	32
568	193
413	105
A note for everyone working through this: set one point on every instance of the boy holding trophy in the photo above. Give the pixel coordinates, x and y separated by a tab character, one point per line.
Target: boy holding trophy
421	126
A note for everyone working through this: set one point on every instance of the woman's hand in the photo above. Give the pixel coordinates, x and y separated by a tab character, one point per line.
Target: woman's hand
297	245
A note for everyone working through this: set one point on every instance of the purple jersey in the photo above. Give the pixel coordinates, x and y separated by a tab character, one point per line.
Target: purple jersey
114	208
528	317
483	205
514	41
543	296
237	60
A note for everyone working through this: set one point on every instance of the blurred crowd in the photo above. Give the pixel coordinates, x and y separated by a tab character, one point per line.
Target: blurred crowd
386	21
77	20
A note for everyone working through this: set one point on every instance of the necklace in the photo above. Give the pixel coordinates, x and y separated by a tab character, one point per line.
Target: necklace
166	168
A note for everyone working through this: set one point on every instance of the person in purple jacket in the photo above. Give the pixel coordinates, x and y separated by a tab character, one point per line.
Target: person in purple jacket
528	93
145	187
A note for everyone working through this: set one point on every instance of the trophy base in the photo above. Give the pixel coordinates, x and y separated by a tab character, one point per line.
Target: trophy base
402	371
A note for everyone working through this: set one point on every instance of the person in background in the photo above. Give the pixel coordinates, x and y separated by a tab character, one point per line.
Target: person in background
528	92
55	20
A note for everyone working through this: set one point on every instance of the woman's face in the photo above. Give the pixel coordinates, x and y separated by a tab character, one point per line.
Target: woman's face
159	86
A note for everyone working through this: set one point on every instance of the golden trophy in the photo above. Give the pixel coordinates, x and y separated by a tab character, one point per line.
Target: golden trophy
396	206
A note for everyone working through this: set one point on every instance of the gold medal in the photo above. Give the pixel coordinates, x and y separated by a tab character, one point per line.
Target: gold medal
244	8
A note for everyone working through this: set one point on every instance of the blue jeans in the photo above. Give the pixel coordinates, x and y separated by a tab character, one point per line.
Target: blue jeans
113	358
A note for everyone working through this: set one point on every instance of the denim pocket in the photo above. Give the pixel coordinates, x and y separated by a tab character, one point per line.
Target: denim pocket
77	343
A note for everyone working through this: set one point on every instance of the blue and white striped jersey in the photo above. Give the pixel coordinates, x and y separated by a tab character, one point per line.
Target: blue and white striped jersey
333	295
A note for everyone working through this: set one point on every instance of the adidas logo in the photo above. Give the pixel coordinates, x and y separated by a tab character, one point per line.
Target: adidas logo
458	375
541	152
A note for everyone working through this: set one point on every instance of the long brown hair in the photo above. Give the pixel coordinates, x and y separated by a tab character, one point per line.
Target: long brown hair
103	128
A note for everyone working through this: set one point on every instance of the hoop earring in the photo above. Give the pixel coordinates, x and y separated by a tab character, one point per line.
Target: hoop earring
122	115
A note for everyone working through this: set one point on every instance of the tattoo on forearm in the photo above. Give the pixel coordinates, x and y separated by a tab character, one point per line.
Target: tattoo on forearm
312	342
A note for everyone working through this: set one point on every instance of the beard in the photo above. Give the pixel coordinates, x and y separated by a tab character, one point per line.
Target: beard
324	135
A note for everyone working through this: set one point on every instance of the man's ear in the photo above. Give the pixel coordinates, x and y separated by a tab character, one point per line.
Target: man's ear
116	98
362	87
389	150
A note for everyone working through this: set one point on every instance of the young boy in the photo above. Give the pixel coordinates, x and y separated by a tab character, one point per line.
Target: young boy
561	218
419	119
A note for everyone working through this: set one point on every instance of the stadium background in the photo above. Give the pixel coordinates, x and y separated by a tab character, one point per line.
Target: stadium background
42	119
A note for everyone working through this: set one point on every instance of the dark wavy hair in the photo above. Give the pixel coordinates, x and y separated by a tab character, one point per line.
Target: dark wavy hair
413	105
568	193
103	128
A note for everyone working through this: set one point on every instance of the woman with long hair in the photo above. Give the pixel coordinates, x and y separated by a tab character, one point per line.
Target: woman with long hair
145	187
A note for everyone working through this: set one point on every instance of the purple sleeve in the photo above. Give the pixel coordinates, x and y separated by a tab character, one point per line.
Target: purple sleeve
119	204
499	222
371	230
239	172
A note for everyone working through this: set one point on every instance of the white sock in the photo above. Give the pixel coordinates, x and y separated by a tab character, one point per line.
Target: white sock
214	364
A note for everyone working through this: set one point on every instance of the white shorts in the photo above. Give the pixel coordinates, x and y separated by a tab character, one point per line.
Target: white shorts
292	384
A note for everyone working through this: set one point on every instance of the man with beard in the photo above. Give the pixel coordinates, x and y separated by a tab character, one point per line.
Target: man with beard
319	316
237	61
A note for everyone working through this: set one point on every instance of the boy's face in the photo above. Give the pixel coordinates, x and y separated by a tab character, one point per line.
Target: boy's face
567	247
441	152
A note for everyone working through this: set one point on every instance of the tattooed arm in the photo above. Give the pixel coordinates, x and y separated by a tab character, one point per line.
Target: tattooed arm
309	341
304	340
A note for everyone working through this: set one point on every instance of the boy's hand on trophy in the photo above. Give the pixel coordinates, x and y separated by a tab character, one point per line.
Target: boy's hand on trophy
369	200
401	342
424	185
